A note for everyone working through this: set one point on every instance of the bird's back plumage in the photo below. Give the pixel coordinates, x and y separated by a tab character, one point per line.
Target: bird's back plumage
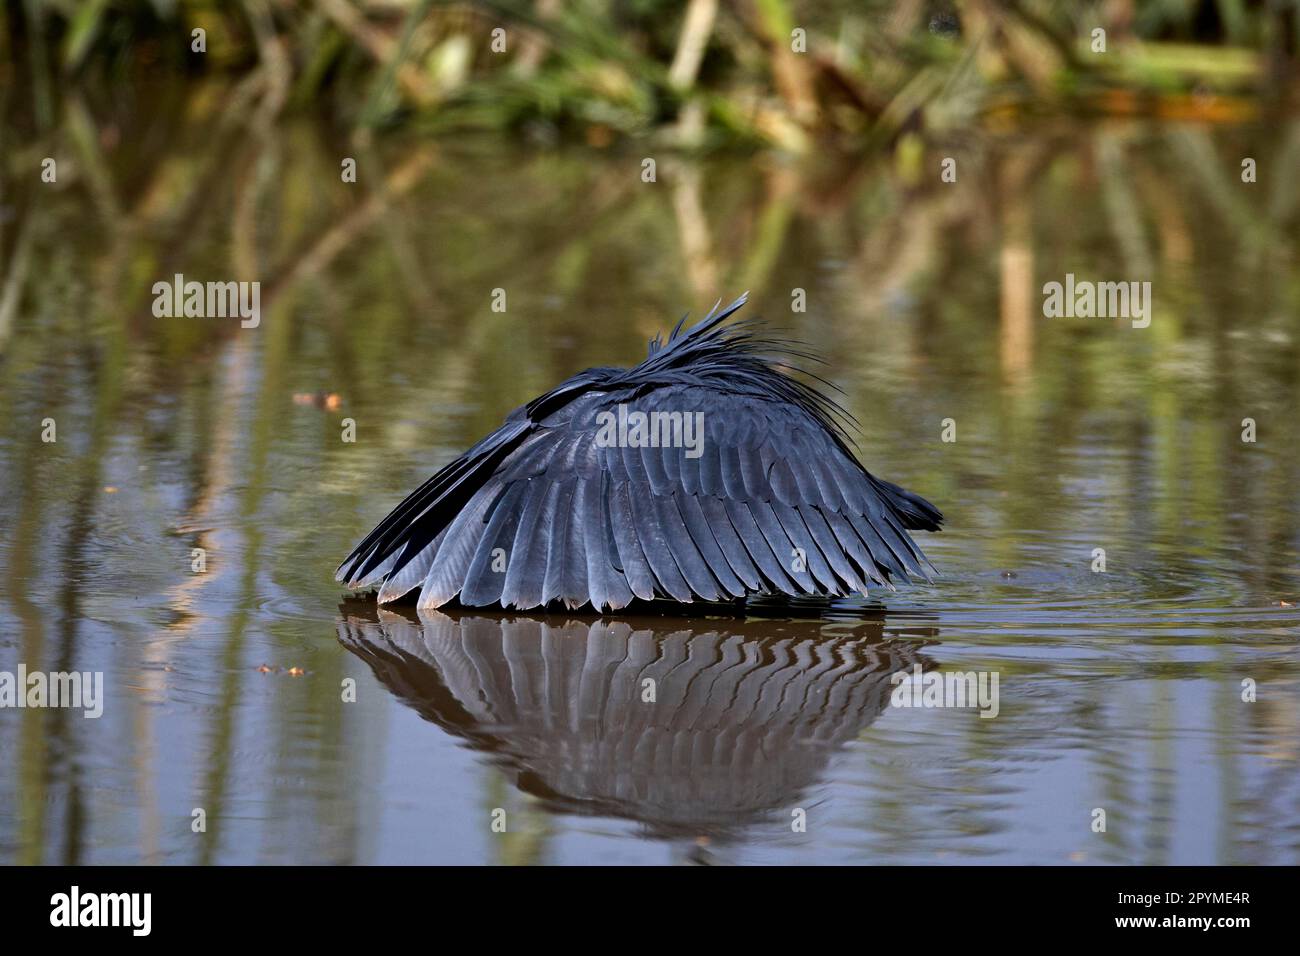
548	509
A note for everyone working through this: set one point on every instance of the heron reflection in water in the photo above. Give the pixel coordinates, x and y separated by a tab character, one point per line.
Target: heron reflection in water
699	730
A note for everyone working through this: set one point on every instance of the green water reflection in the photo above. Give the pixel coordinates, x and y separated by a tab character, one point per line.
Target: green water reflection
1120	690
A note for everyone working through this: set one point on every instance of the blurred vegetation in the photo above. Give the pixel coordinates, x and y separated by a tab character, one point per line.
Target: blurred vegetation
796	74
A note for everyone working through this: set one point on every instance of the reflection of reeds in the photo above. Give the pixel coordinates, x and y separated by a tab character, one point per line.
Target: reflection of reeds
14	281
1018	304
905	275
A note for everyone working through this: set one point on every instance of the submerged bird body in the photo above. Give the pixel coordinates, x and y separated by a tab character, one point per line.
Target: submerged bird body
565	503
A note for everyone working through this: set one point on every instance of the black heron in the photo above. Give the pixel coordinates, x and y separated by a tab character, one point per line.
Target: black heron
704	474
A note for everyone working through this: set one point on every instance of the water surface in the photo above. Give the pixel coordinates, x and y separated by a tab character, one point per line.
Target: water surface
1119	690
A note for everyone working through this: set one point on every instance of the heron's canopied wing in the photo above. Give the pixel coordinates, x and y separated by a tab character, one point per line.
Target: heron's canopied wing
419	520
682	492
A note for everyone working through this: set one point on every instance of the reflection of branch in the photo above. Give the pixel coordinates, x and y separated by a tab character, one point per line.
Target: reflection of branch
334	240
321	252
33	747
693	230
1197	151
1169	214
395	228
1284	195
1122	207
1016	266
86	137
212	490
11	293
773	223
